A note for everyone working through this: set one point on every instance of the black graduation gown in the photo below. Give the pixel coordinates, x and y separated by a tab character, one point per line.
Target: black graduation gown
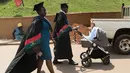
23	62
62	49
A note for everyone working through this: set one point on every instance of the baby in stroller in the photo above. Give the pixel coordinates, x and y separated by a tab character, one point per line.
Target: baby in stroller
97	44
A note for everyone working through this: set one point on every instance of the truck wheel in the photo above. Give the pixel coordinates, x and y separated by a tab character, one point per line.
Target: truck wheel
122	44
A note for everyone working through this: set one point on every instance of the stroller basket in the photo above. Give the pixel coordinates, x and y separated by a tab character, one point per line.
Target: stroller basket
85	43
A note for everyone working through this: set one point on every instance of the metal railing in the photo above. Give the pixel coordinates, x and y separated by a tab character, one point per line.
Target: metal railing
126	11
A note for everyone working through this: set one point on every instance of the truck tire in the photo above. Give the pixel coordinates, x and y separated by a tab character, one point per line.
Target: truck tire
122	44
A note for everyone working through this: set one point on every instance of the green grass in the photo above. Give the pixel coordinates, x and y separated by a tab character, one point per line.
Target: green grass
10	10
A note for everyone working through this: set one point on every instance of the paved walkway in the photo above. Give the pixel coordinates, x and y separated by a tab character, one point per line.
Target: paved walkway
119	63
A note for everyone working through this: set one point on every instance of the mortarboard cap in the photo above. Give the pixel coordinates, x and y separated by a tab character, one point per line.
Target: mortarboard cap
64	5
38	6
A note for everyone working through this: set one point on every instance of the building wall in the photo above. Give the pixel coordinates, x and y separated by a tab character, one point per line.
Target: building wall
7	25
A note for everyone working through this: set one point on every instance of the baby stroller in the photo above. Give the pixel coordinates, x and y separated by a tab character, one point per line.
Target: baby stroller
96	48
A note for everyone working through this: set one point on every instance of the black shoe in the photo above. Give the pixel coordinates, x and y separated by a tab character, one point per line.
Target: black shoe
73	63
56	62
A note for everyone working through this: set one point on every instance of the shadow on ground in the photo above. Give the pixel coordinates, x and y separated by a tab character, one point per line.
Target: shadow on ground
97	66
115	55
43	71
66	68
100	66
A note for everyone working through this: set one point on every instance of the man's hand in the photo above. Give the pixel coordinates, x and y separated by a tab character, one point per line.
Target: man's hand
75	28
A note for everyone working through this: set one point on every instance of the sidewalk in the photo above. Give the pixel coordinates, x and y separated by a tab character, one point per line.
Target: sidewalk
119	63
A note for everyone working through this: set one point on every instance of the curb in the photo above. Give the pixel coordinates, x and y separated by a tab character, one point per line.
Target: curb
13	43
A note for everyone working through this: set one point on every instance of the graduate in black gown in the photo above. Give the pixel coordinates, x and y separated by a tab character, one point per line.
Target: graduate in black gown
24	61
62	49
27	58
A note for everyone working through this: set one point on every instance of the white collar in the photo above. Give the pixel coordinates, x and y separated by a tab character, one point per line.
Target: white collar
62	11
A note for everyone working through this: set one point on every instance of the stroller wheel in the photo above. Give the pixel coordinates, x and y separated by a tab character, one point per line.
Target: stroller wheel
106	60
86	62
83	55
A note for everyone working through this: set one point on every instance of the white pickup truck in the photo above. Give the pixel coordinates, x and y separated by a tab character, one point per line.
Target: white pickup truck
118	31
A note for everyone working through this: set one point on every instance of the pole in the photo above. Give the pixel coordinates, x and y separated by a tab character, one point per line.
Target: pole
22	3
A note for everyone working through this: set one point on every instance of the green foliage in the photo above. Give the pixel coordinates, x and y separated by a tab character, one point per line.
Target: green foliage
9	9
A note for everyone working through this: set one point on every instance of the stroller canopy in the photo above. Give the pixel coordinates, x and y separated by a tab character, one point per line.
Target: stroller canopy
100	35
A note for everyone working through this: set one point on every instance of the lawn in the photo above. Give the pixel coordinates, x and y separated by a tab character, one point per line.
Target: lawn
8	9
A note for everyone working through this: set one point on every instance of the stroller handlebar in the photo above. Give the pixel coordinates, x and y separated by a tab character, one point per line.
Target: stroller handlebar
75	28
84	36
